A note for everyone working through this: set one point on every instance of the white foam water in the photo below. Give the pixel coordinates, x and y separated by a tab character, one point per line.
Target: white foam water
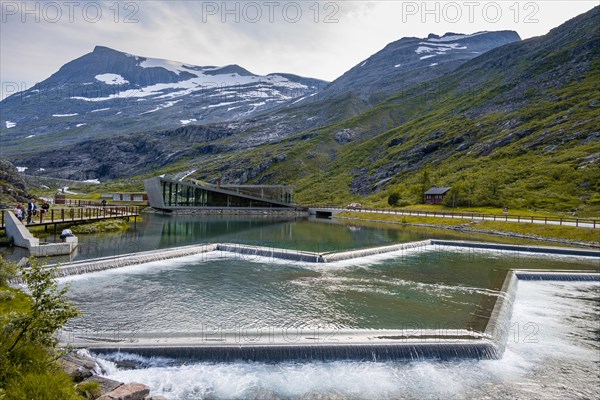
552	352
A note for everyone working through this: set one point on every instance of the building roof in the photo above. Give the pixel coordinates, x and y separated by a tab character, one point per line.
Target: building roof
437	190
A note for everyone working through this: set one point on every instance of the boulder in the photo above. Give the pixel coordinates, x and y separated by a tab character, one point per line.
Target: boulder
128	391
78	365
105	385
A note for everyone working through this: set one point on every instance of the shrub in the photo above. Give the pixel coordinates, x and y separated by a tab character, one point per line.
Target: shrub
393	199
89	390
7	271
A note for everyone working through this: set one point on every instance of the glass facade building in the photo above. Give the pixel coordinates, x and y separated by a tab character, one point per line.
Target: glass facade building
167	194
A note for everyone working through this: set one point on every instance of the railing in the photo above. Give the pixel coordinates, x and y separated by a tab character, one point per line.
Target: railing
90	203
62	215
505	217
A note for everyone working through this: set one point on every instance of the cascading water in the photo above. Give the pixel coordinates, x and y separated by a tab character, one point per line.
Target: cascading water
552	352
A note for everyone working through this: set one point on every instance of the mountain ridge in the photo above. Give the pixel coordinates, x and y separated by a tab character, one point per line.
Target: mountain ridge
526	104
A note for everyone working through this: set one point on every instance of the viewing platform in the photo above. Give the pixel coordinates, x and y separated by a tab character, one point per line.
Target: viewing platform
78	215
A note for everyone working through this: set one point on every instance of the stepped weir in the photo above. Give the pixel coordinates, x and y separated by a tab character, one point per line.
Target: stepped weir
279	344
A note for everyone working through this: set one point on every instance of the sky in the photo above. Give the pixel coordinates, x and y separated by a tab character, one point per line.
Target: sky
319	39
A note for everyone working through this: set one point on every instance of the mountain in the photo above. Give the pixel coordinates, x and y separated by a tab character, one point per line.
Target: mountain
516	126
94	155
400	66
13	188
409	62
107	92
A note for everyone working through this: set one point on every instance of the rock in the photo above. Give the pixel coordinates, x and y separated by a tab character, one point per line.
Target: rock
106	385
344	136
78	365
128	391
156	397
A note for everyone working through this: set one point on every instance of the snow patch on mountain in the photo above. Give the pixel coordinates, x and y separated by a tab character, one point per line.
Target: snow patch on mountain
172	66
187	121
111	79
438	48
10	124
64	115
452	38
161	106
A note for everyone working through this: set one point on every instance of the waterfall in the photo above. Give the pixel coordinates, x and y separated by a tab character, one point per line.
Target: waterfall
270	252
319	352
522	248
111	262
531	275
498	325
346	255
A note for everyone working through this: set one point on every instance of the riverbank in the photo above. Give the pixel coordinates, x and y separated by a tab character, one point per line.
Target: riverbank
87	373
556	234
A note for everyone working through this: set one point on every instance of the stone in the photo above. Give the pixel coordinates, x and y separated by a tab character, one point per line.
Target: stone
71	239
78	366
106	385
156	397
128	391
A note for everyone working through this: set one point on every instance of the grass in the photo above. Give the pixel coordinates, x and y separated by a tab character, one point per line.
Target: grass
481	210
112	225
404	219
543	231
533	231
30	373
16	301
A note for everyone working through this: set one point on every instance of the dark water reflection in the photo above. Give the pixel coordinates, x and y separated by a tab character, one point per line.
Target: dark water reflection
160	231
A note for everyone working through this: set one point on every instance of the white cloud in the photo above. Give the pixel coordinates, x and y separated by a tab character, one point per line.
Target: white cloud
192	32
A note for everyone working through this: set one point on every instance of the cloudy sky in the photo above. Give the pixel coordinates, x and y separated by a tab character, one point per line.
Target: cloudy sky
318	39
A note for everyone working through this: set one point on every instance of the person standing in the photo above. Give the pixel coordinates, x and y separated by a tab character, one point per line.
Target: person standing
30	208
44	209
19	212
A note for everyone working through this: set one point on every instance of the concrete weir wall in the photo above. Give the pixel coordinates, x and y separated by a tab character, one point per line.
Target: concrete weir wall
104	263
370	345
23	238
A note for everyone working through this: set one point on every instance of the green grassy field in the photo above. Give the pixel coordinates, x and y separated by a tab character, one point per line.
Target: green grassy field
534	231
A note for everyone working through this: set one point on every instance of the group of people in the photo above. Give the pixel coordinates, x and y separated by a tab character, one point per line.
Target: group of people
27	213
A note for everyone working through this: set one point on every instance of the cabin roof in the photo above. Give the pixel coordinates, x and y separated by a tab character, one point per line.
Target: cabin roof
437	190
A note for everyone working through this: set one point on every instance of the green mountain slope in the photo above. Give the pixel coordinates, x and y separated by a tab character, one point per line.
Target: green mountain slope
516	127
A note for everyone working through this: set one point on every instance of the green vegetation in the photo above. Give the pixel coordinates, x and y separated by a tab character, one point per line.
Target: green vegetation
28	347
405	219
532	230
502	131
89	390
393	199
111	225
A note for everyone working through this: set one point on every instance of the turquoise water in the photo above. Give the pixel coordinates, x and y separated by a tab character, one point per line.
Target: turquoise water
552	348
434	288
159	231
552	353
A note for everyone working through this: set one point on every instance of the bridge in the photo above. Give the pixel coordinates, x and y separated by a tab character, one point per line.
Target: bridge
78	215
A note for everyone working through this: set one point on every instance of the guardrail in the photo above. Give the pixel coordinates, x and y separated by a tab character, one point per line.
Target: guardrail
505	217
90	203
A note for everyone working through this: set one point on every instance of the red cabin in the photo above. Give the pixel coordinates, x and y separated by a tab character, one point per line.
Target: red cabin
436	195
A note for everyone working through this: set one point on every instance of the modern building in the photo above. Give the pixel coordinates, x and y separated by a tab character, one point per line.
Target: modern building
166	194
126	197
436	195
